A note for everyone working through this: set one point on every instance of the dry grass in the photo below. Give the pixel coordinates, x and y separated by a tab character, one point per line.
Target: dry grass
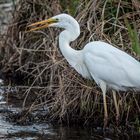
45	76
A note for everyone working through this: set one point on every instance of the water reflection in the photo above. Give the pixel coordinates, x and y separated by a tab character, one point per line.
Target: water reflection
65	133
50	133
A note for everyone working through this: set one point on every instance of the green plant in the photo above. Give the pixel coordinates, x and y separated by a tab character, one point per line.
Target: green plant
133	35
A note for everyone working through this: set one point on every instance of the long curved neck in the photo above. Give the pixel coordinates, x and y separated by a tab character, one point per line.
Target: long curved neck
74	57
69	53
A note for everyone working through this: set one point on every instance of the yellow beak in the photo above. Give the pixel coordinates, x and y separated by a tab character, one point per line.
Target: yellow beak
41	24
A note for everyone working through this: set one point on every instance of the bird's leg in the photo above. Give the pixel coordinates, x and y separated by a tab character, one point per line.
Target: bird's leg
116	106
105	110
103	88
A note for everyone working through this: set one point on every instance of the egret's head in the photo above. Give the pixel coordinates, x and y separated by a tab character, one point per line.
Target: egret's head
62	21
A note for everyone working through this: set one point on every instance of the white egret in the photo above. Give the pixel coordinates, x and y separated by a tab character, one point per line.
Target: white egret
110	67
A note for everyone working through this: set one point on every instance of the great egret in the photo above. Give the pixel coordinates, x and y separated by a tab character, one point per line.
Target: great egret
108	66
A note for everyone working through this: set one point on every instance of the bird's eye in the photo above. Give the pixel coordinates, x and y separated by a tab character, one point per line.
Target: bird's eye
57	19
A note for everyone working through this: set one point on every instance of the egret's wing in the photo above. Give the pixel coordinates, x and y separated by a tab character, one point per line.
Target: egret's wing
81	68
111	65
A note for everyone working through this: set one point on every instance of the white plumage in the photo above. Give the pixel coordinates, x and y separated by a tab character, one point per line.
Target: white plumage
108	66
116	68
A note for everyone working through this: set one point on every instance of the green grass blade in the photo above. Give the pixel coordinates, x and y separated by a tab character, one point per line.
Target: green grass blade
133	37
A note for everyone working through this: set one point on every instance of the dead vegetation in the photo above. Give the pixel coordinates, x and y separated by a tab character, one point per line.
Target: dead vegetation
33	63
